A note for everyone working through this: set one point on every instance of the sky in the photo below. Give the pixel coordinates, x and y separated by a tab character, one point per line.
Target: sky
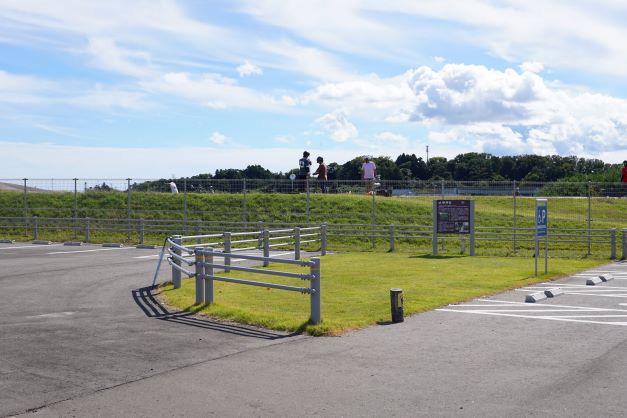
167	88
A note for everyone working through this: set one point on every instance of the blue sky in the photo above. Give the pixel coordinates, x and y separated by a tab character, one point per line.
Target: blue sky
148	89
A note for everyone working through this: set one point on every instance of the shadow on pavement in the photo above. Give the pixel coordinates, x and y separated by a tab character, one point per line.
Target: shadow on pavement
145	299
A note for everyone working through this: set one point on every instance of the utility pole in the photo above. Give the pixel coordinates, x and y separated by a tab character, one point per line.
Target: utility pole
427	154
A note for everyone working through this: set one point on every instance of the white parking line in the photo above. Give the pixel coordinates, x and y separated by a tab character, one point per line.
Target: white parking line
90	251
30	246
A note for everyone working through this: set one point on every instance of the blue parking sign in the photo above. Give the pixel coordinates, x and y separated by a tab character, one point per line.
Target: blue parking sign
541	220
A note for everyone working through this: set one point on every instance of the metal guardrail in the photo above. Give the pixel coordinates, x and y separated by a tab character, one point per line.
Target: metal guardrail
205	265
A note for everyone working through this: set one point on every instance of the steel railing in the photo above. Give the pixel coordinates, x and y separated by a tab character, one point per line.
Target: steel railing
224	246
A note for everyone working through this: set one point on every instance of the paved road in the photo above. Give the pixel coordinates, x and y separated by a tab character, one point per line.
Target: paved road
79	337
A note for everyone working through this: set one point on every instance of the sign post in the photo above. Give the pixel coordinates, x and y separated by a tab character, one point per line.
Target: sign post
454	217
542	220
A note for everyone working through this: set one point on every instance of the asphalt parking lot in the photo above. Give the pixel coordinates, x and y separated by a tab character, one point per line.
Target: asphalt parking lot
82	335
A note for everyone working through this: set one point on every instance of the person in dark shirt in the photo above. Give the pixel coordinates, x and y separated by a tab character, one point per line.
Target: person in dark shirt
304	167
623	173
321	171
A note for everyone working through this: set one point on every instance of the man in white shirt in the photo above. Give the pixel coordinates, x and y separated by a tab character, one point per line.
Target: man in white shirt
368	173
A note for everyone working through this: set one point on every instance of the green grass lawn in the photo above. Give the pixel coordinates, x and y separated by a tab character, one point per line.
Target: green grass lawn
355	289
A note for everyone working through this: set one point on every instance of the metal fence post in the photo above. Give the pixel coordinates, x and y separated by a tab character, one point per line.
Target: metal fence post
75	211
200	273
296	243
391	237
176	274
307	189
472	228
515	192
185	203
613	243
227	250
434	237
35	227
87	231
197	230
245	201
141	231
323	239
373	218
589	220
315	299
128	208
266	247
208	275
25	201
624	244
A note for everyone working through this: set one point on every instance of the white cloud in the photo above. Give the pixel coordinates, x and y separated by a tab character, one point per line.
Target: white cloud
283	139
106	54
479	108
215	91
532	67
338	126
248	69
439	60
392	139
218	138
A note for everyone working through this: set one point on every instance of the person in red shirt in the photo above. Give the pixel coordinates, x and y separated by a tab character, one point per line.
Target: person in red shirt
623	173
322	174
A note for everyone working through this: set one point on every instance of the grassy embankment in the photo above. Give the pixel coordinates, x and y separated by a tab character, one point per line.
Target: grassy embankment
491	213
355	289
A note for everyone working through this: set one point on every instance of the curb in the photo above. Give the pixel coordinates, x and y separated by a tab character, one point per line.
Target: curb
113	245
146	246
42	242
534	297
73	243
606	277
594	281
7	241
554	291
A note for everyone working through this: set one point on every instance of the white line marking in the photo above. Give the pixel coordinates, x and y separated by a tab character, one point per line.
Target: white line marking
31	246
550	318
557	306
148	256
90	251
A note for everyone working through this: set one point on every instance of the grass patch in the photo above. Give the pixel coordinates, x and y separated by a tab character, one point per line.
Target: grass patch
355	289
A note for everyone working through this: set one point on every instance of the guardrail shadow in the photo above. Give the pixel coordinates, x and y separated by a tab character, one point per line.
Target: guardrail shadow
152	308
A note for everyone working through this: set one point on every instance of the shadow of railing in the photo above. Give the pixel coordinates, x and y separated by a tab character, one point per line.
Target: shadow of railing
152	308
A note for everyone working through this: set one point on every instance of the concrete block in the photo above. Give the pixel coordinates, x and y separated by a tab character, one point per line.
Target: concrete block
594	281
606	277
73	243
534	297
146	246
554	291
113	245
42	242
7	241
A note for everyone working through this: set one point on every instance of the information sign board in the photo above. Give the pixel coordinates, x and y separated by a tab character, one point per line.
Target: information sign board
453	216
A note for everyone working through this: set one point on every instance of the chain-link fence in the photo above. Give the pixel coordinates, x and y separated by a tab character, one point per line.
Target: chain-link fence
581	212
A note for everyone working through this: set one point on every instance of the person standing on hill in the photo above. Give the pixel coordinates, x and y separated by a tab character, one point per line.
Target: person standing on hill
368	173
304	165
623	172
321	171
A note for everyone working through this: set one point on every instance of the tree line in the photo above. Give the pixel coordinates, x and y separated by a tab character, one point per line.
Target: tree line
464	167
